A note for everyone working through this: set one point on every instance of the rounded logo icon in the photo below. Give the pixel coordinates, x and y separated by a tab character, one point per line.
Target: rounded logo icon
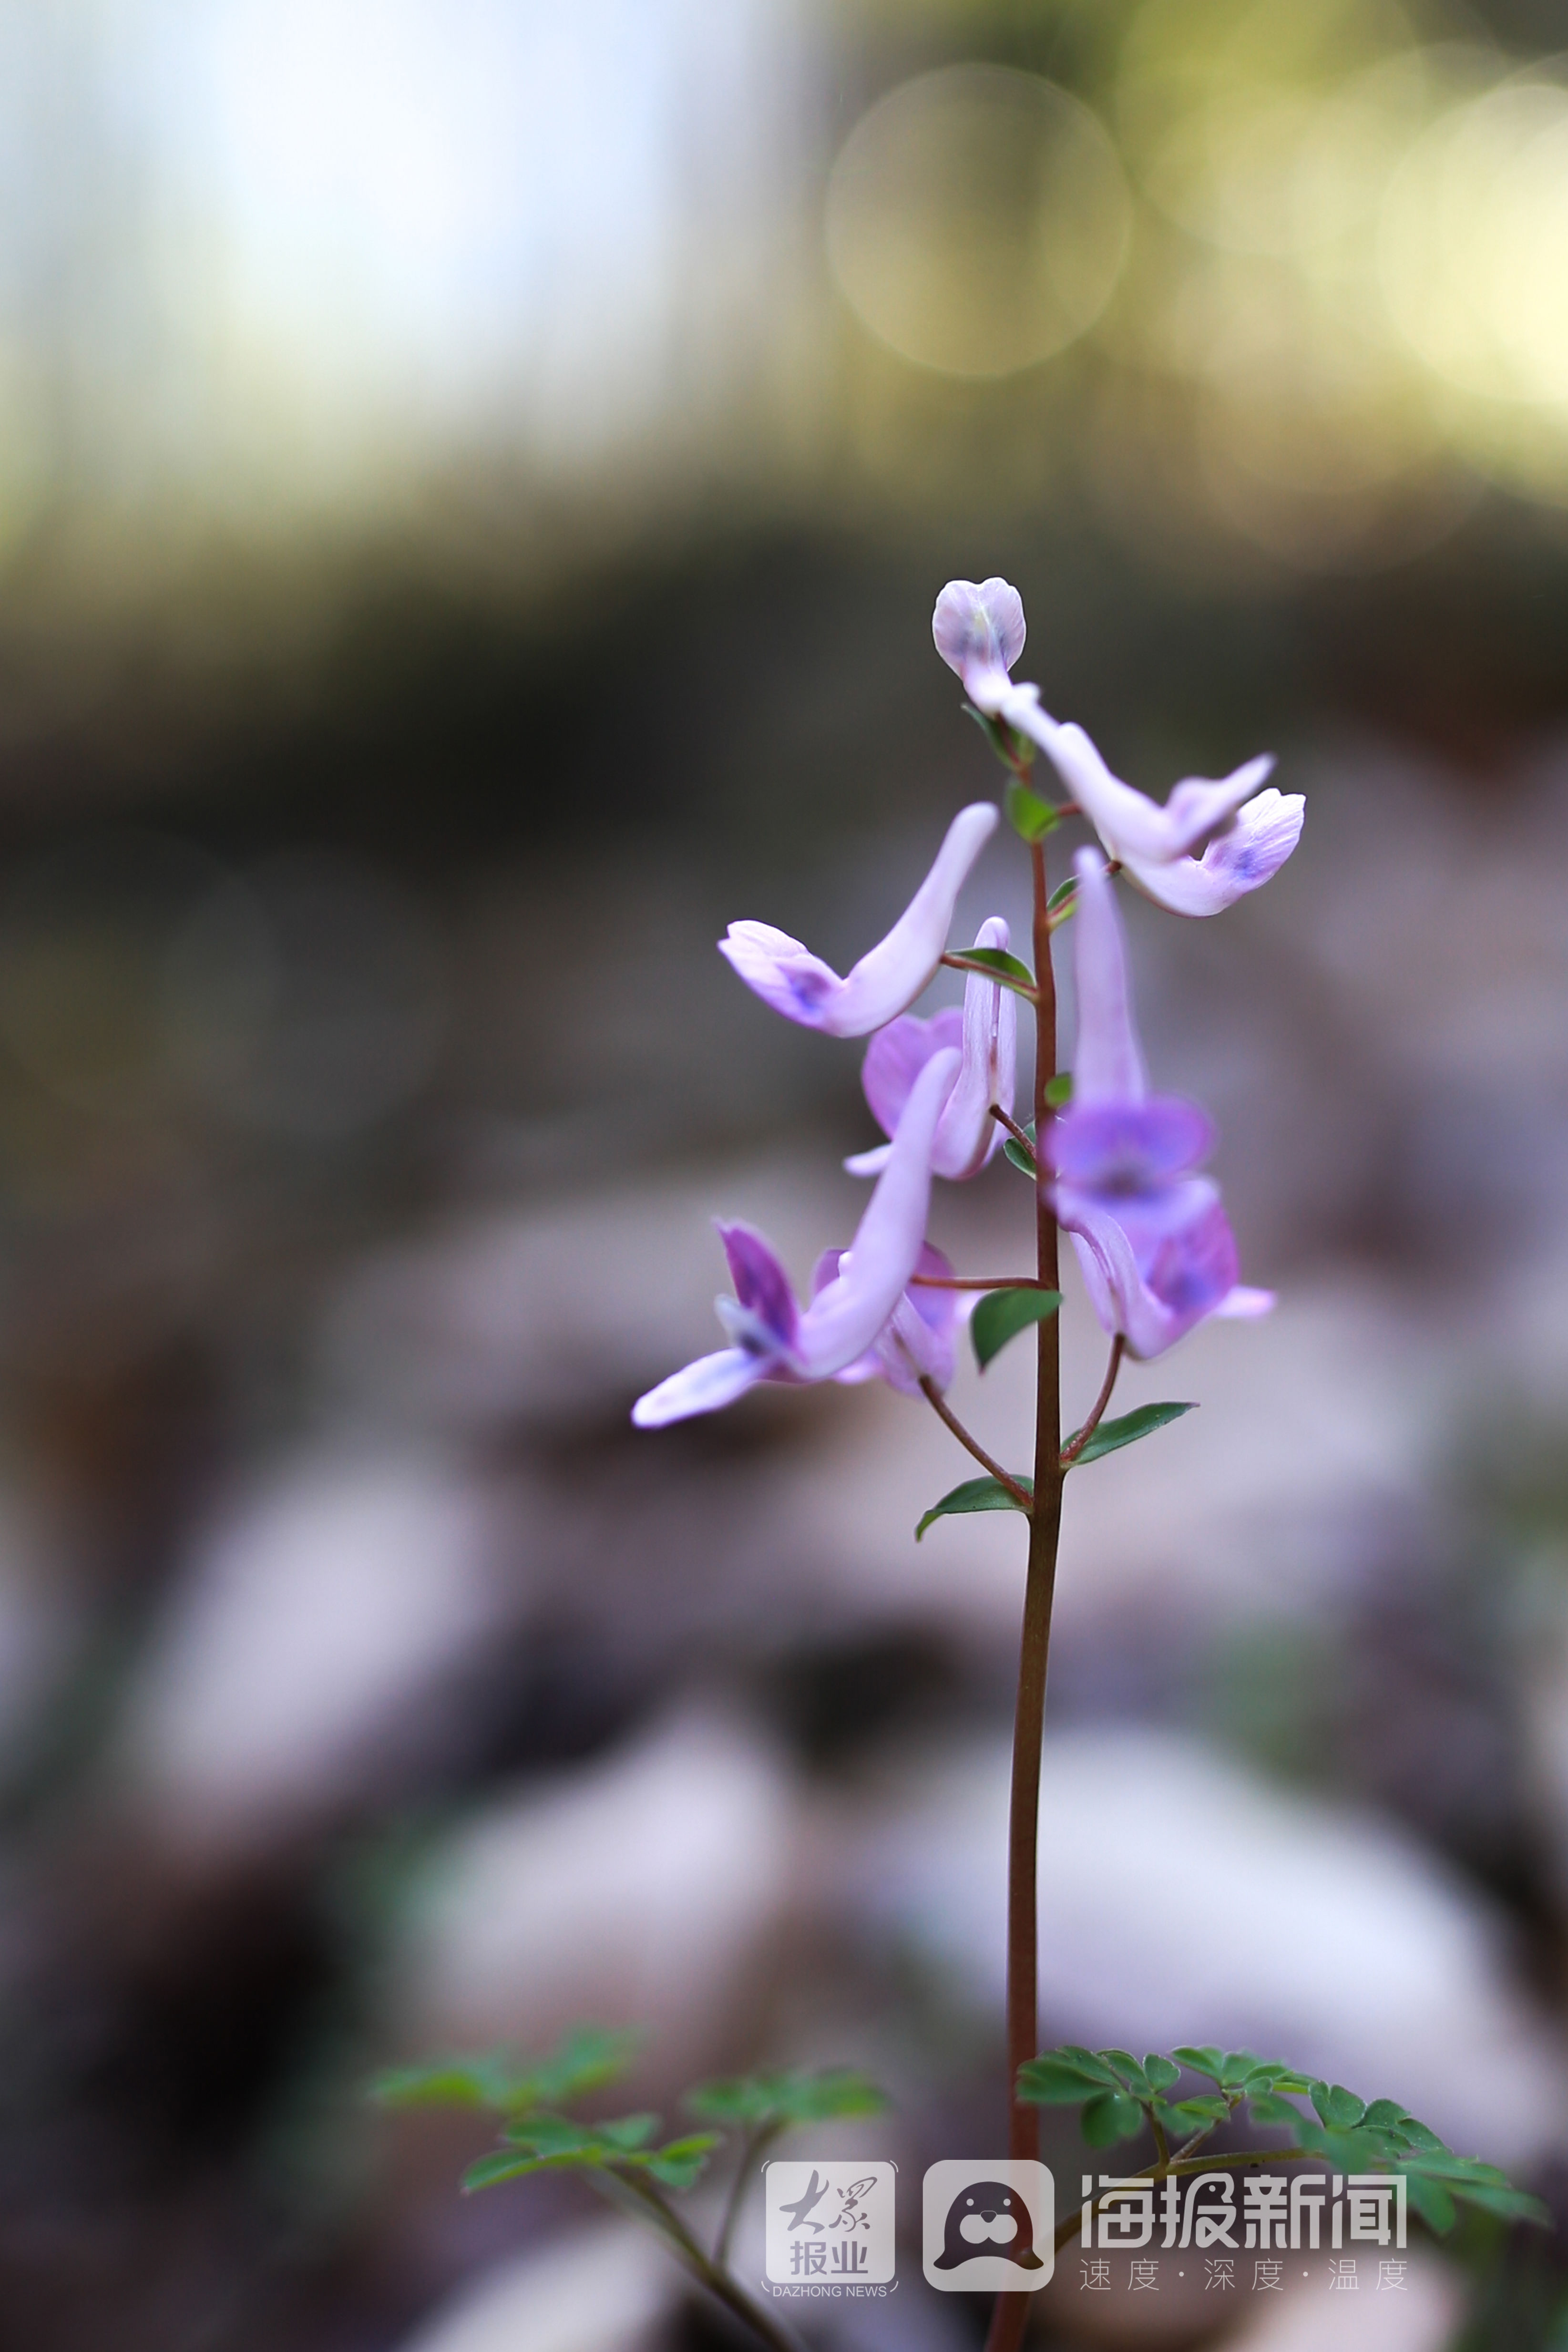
989	2226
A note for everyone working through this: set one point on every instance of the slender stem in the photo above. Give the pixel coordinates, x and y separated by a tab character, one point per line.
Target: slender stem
640	2196
973	1282
1070	1453
1162	2144
1011	2311
939	1405
1020	1134
751	2149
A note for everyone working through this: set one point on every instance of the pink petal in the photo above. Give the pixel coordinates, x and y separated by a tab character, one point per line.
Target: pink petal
966	1134
890	976
897	1054
844	1319
980	632
703	1387
1107	1062
1266	831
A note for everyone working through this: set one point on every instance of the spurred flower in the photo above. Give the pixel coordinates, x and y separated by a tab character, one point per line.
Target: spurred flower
1210	844
1244	835
888	977
980	632
1151	1234
986	1031
771	1337
919	1341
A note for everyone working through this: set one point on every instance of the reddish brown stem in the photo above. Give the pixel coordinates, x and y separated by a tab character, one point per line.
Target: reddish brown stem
971	1444
1070	1453
973	1282
1011	2313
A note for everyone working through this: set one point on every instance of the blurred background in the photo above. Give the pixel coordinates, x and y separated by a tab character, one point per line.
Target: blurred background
473	478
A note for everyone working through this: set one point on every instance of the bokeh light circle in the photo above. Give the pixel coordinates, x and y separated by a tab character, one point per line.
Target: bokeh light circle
1473	234
978	220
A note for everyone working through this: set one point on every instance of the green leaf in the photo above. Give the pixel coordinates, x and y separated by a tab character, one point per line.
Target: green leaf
1059	1089
1265	2108
681	2162
1061	2079
1110	2117
1201	2110
584	2060
1128	2072
1001	1314
1382	2113
974	1494
1161	2072
547	2136
1126	1430
1015	1151
545	2143
1062	899
1341	2109
1007	967
1203	2057
1027	813
759	2101
1433	2203
1009	746
504	2163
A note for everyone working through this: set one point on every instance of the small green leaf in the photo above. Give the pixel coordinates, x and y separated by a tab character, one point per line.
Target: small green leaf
628	2131
1027	813
1433	2203
1128	2072
1015	1151
1012	749
503	2164
679	2163
1058	2081
1001	1314
1341	2109
1059	1089
1110	2117
584	2060
1265	2108
1127	1429
1382	2113
974	1494
550	2135
757	2101
1007	967
1061	901
1201	2110
1161	2072
1202	2057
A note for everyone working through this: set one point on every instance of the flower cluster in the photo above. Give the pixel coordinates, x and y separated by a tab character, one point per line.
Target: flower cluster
1119	1169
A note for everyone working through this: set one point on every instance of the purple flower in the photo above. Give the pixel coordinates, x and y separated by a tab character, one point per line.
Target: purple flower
890	976
986	1033
980	632
1152	1236
771	1337
919	1342
1249	833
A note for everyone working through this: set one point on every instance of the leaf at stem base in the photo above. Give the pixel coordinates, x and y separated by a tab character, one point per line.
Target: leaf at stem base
974	1494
